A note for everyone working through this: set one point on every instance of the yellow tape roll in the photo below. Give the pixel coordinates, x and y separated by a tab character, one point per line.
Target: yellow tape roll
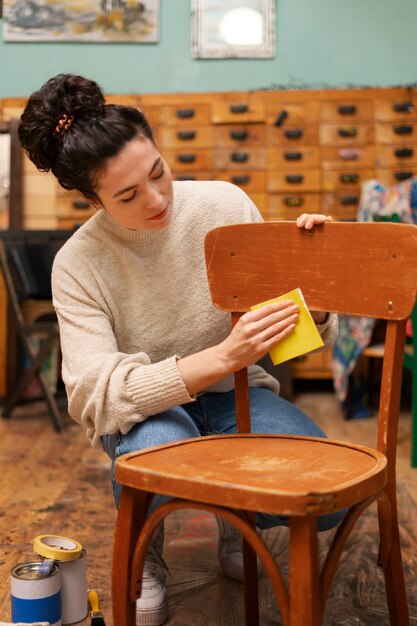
57	548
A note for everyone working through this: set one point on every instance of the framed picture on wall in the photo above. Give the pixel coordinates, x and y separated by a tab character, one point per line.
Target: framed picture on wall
90	21
233	29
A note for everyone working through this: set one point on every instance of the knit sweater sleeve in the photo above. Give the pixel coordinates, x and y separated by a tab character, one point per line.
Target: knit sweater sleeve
108	390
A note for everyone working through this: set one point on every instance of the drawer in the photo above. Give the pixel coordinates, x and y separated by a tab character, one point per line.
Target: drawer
40	223
171	138
336	158
239	135
396	156
153	115
302	158
297	182
242	159
254	180
282	114
238	111
346	180
259	199
69	223
39	184
346	111
187	175
39	206
184	115
313	366
399	109
189	160
341	206
393	176
346	134
73	208
289	206
293	135
398	134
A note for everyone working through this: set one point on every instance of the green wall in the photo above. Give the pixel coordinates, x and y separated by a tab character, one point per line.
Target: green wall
320	43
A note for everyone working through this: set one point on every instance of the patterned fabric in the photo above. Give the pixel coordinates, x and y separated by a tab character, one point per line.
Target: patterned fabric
378	202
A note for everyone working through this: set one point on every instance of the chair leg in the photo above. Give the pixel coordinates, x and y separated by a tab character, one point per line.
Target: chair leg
130	519
414	418
304	575
393	569
250	584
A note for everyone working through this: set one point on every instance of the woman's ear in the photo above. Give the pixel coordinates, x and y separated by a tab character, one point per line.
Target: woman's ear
95	202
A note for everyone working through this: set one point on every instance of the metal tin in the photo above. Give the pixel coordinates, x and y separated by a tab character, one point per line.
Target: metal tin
35	597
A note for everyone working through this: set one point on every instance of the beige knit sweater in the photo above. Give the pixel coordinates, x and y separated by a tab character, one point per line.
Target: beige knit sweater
129	303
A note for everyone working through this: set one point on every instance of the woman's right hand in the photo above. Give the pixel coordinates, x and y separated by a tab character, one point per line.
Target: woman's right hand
256	332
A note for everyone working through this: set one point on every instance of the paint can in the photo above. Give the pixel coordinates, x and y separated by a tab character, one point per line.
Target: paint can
71	558
34	596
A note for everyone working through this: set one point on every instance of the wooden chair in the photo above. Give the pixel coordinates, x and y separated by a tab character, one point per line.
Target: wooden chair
26	259
354	268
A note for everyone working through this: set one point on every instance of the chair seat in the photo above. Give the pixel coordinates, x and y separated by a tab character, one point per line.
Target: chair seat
266	473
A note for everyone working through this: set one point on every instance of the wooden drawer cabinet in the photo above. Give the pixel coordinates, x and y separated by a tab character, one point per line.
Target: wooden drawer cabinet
316	365
398	108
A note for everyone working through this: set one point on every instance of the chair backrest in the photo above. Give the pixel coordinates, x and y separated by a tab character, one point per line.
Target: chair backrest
364	269
26	258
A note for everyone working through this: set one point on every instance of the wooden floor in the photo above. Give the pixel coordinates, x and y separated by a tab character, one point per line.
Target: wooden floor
57	484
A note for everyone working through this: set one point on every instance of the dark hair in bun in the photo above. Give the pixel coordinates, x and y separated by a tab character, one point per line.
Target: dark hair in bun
77	150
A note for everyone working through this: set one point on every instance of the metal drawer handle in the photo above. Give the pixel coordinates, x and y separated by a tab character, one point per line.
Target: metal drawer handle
186	134
239	157
185	177
281	118
239	108
349	178
403	175
294	201
295	133
405	129
347	109
293	156
403	107
186	158
349	200
294	179
347	132
240	180
404	153
240	135
81	204
185	113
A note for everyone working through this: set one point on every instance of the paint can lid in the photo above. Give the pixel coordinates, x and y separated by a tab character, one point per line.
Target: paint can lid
57	548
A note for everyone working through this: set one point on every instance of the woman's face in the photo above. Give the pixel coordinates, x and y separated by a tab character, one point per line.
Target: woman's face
135	187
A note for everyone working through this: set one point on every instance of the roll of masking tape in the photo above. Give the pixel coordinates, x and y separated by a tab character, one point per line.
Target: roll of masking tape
57	548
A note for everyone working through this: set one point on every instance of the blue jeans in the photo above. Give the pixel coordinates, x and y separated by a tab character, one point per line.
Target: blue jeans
214	414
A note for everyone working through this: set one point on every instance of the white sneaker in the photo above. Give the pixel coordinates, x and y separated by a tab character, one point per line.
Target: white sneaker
152	606
229	549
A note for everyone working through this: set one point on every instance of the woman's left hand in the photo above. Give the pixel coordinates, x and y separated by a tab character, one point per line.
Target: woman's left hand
309	220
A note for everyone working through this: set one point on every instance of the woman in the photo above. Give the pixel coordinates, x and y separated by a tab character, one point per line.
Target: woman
147	359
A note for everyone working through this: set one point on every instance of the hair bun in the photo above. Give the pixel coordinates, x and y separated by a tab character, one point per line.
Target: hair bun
67	94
